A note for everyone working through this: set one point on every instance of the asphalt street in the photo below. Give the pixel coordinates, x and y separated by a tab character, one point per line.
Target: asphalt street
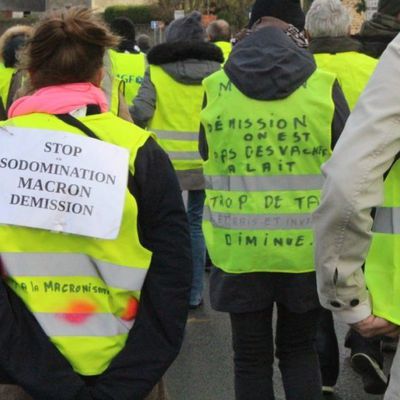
204	368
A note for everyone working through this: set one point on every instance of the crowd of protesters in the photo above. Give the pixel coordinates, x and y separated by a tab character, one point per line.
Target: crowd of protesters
286	138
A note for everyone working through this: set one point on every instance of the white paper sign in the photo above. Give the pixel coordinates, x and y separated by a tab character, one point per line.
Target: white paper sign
62	182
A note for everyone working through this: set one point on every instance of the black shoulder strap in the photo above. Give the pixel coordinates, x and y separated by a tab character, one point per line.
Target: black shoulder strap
3	113
15	84
70	120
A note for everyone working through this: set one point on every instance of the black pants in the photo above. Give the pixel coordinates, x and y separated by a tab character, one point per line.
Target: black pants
295	348
328	349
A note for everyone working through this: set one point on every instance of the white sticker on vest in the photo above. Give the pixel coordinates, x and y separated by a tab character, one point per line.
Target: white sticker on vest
62	182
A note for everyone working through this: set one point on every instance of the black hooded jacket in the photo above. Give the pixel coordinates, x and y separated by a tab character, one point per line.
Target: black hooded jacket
267	65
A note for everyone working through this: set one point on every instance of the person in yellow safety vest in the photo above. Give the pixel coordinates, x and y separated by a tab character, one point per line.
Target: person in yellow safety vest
13	83
11	42
128	62
94	245
219	33
264	140
114	89
169	104
362	181
328	25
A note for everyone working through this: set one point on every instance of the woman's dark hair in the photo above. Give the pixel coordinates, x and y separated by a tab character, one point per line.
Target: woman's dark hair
67	47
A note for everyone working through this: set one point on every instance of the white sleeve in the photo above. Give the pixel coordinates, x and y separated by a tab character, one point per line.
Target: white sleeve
354	184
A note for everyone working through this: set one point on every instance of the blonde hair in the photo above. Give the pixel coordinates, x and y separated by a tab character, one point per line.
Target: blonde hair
67	47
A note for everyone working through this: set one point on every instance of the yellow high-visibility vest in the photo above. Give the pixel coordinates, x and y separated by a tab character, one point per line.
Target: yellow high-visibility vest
83	291
263	178
129	68
176	120
112	86
6	75
382	266
352	70
226	48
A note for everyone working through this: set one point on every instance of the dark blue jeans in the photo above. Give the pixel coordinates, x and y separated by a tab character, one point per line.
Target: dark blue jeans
253	347
195	216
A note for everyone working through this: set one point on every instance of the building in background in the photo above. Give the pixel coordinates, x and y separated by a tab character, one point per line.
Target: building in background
28	6
51	4
22	5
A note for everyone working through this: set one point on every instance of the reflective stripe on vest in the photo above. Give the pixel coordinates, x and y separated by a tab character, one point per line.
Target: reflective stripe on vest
263	178
387	220
111	89
129	68
42	265
382	265
176	119
111	86
257	221
184	155
352	70
173	135
264	183
83	291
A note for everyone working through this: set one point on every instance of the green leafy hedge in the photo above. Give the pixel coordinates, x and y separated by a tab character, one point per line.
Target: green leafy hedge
142	14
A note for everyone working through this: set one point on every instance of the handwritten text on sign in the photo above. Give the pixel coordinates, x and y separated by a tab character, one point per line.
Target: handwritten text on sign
267	146
62	182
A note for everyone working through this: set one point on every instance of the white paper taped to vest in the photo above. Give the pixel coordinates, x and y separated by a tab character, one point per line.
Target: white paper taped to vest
62	182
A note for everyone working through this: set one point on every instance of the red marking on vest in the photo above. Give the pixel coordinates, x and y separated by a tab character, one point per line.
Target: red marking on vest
78	312
131	310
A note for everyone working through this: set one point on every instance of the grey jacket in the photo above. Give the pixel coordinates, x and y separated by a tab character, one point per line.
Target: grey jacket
188	63
354	184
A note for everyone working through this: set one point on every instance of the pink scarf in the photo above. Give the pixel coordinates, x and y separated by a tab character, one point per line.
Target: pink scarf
60	99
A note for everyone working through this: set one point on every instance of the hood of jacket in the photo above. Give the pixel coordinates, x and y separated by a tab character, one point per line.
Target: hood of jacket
187	62
381	25
267	65
8	38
